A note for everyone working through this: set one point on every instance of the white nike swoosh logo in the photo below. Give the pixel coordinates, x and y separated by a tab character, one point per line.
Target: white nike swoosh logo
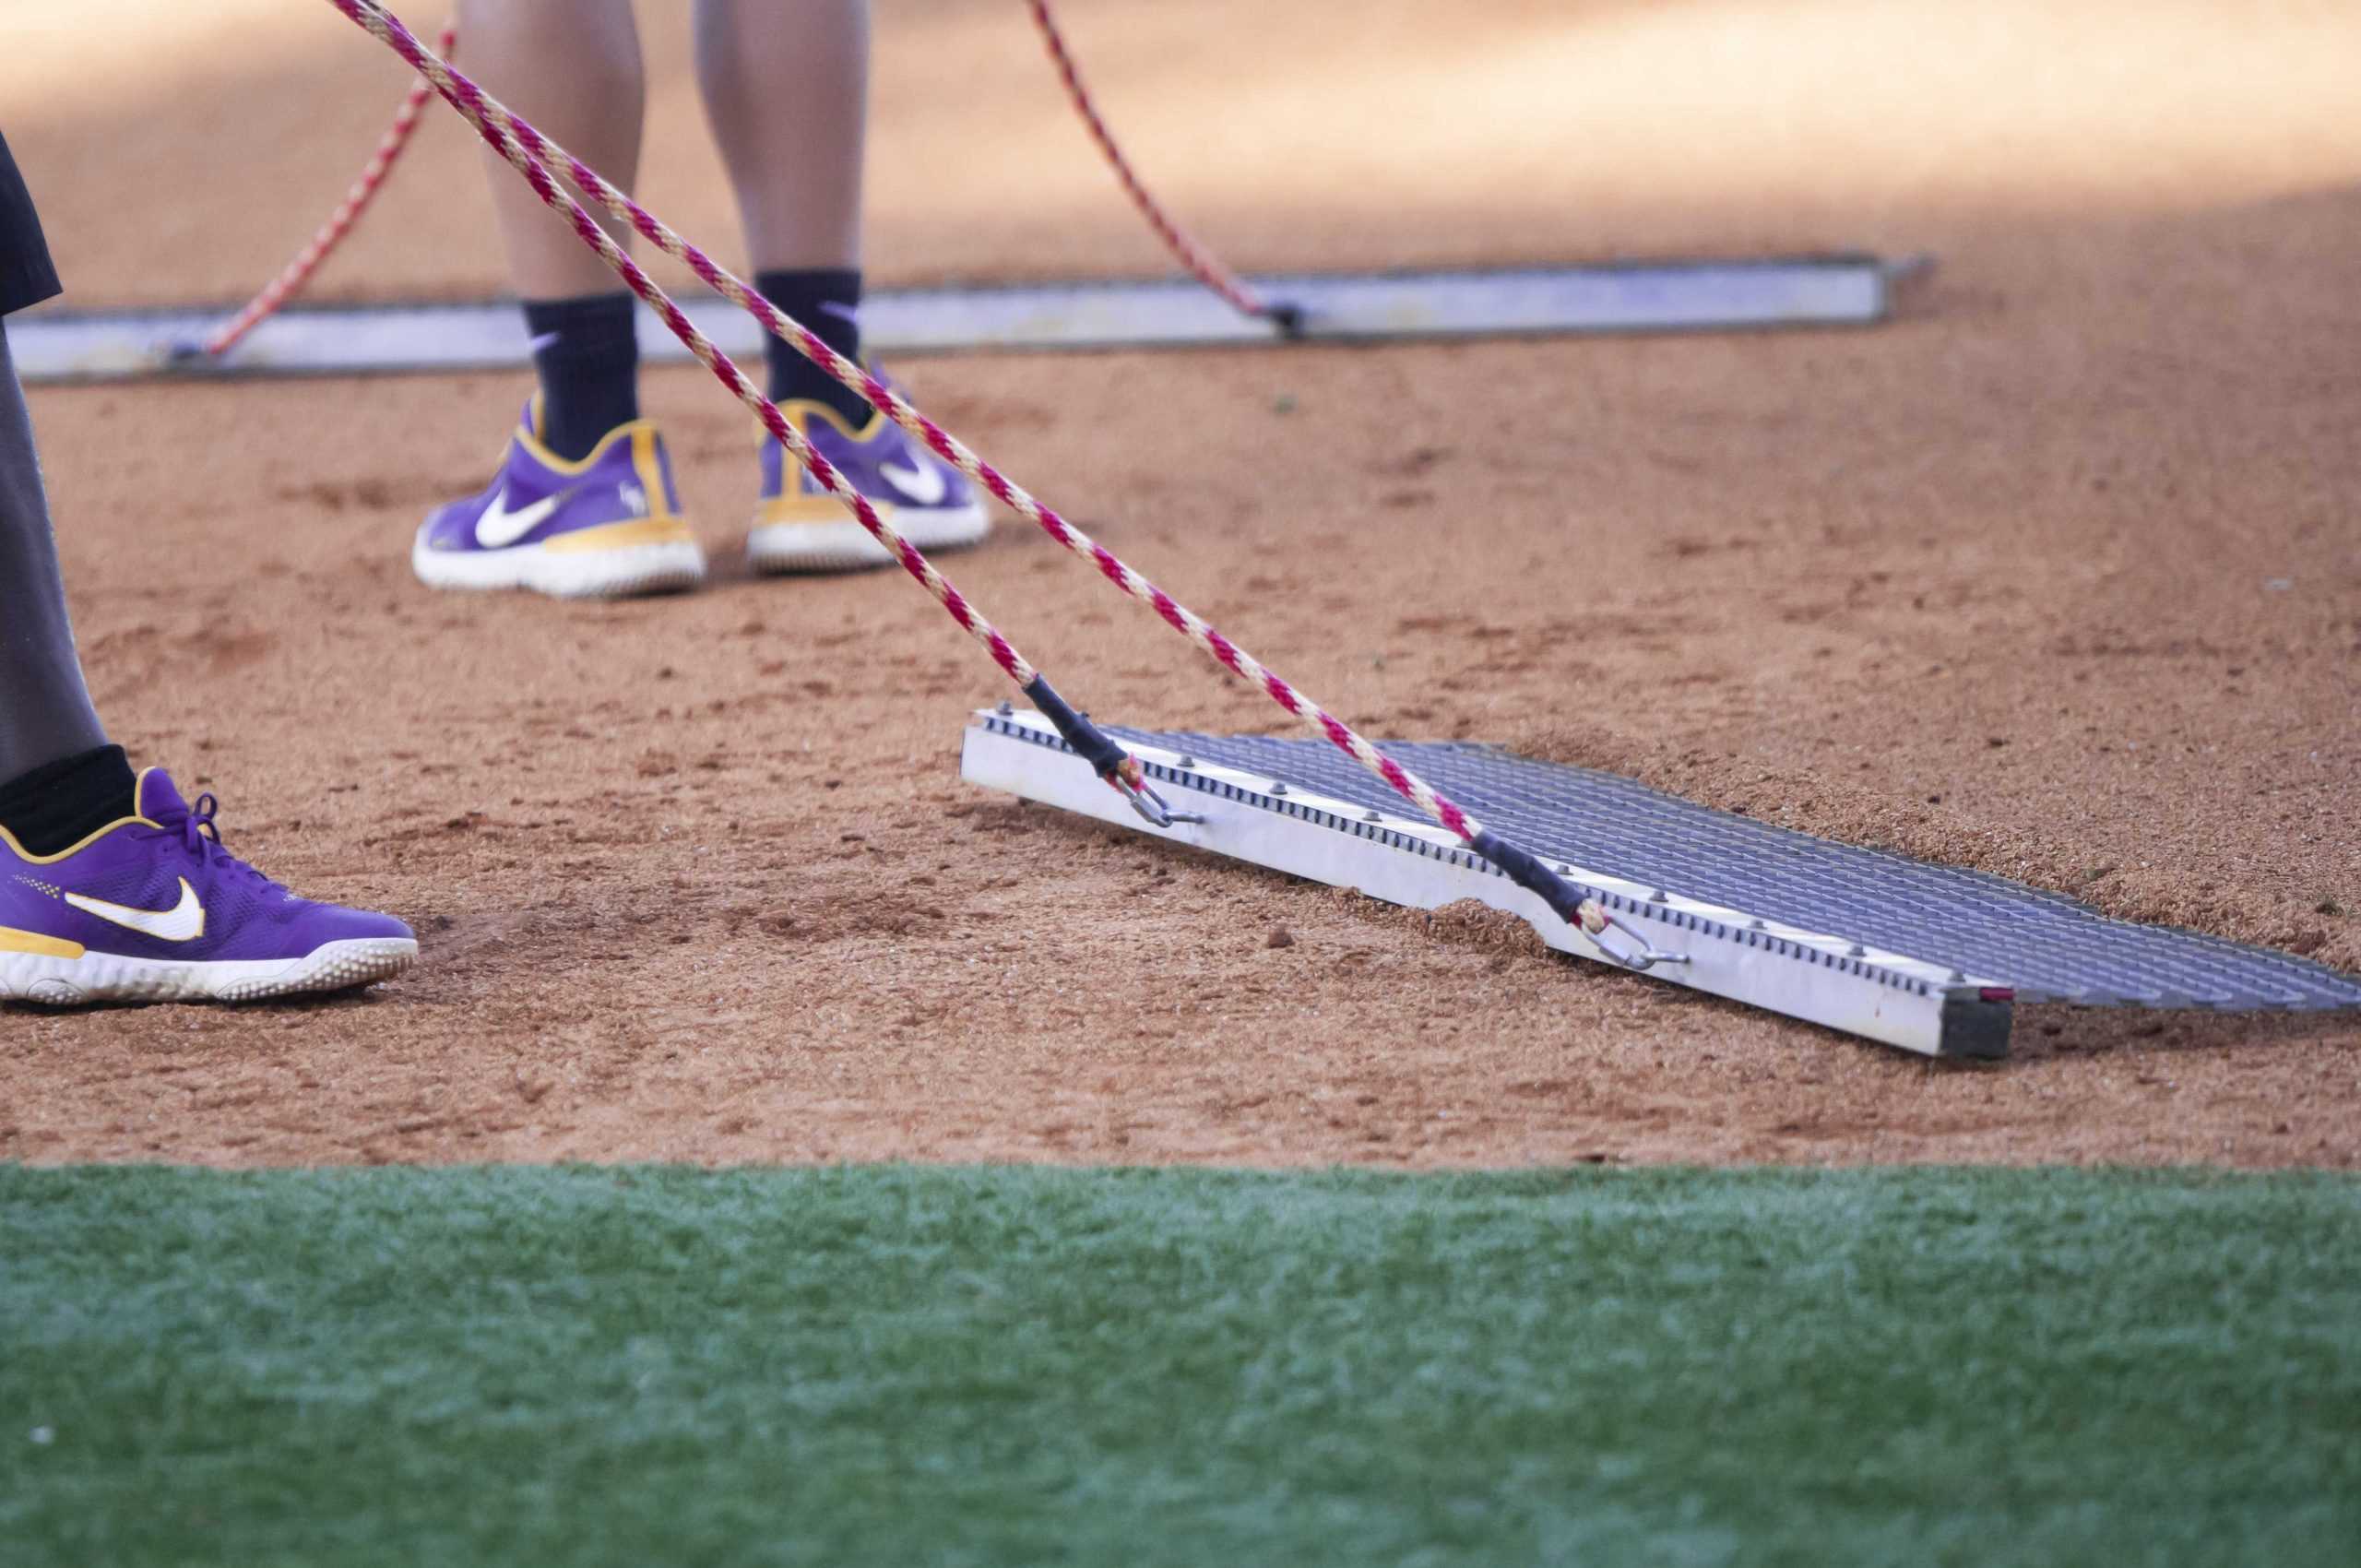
500	527
922	482
185	921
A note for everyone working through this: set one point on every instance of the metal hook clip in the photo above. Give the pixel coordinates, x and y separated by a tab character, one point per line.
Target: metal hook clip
1596	922
1146	801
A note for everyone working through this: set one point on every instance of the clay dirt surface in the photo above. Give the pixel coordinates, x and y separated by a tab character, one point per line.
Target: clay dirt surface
2058	575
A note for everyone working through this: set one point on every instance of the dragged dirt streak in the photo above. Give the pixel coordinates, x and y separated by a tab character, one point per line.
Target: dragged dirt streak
2059	576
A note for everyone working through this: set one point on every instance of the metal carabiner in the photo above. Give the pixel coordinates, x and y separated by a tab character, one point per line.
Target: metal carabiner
1130	783
1596	924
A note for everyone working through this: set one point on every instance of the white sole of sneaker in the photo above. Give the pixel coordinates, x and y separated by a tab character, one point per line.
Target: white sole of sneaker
847	546
622	571
107	977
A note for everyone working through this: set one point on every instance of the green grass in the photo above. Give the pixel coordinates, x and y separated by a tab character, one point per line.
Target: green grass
922	1366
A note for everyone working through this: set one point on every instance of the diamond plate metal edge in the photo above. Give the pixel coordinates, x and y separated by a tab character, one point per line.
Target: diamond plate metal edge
2045	945
1938	1011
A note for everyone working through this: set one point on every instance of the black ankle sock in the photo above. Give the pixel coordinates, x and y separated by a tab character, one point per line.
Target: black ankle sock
827	300
58	804
588	360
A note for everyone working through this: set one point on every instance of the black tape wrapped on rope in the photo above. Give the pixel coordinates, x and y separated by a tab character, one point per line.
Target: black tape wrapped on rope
1109	760
1105	758
1566	899
1521	868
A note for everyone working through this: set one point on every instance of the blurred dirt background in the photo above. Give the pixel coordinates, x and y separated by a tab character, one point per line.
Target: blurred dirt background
2058	575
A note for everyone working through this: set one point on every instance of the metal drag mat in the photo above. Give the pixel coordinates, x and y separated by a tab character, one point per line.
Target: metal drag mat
2048	947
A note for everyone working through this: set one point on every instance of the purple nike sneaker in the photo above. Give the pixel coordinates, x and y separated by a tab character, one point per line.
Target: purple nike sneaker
152	909
799	527
604	528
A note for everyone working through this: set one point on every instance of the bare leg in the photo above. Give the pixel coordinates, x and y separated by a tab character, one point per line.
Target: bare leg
45	712
573	68
785	85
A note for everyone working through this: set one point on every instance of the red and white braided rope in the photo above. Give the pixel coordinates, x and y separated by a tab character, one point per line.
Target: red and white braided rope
299	271
529	151
1200	262
512	138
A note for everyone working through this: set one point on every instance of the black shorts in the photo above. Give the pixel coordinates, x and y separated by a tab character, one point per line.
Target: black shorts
26	276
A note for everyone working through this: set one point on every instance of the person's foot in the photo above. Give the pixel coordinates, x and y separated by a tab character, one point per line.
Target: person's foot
607	527
152	909
799	527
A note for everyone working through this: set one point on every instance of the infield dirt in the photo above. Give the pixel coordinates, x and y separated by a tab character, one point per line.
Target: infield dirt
2058	575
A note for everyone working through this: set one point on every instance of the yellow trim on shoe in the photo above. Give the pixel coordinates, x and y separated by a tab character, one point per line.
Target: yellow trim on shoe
650	471
799	411
640	433
788	510
626	535
40	946
8	839
790	506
